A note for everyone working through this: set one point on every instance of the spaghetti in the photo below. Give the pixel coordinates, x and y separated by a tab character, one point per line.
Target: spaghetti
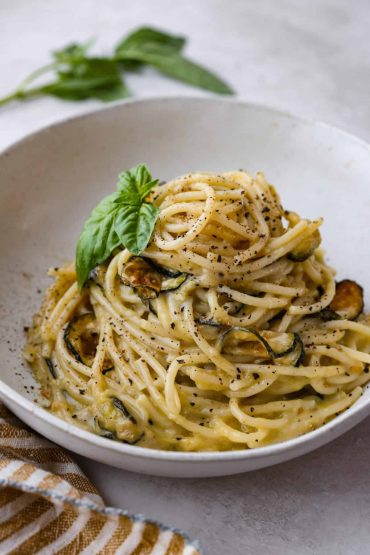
228	331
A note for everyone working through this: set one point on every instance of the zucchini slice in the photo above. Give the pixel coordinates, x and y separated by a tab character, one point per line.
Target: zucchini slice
105	411
152	306
208	321
164	270
279	344
306	248
103	432
173	283
296	356
50	365
285	349
348	300
97	274
326	314
121	407
81	338
149	279
143	277
135	441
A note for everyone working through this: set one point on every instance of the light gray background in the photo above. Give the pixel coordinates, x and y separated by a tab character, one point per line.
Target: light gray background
311	57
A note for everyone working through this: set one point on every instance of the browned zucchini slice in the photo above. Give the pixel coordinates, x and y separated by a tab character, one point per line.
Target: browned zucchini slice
164	270
149	279
285	349
81	338
142	276
326	314
306	248
348	301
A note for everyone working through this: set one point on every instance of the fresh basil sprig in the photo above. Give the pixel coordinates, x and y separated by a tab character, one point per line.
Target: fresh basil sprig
75	75
124	218
163	52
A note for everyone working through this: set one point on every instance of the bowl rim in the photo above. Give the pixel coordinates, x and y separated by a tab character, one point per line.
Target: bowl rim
327	431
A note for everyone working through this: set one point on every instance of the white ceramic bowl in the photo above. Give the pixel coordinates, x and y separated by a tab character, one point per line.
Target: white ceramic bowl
50	180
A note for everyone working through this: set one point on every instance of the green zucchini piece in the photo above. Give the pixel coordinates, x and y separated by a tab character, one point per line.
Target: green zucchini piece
51	367
108	434
173	283
103	432
121	407
81	338
348	300
152	306
296	356
280	344
164	270
306	248
285	349
208	321
97	274
134	442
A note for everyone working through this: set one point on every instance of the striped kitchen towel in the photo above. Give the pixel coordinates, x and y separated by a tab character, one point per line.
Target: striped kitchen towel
48	506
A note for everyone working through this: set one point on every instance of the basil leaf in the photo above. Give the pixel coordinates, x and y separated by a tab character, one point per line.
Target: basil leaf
174	65
150	36
144	181
134	185
89	78
72	52
134	225
112	92
75	90
161	50
98	238
191	73
123	218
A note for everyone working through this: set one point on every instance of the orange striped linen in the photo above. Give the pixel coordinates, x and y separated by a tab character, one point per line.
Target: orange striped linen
48	506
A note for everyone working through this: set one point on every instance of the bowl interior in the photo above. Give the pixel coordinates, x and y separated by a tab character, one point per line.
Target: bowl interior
52	179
